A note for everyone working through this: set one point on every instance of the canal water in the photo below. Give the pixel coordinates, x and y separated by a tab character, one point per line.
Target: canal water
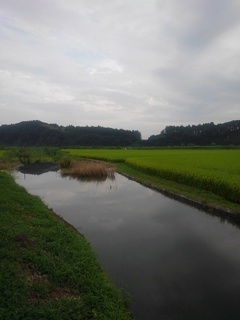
177	262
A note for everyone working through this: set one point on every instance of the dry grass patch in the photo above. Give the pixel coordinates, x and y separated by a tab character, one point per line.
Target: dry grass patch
88	169
8	166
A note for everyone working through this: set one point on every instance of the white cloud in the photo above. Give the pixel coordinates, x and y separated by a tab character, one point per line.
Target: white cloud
105	67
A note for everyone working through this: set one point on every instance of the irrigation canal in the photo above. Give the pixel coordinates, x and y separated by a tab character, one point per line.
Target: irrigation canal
176	261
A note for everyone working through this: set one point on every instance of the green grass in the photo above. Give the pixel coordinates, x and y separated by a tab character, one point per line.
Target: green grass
47	269
36	154
216	171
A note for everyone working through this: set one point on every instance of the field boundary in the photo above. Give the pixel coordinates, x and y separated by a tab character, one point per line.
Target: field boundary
211	208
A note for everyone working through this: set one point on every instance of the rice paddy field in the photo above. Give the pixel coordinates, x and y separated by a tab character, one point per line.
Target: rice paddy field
214	170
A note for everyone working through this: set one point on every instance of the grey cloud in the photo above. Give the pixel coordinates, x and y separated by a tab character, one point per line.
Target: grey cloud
127	64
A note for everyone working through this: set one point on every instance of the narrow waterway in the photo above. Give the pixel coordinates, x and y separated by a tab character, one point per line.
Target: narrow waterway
176	261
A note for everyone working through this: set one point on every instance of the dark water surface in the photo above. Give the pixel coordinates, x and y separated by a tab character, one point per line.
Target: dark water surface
176	261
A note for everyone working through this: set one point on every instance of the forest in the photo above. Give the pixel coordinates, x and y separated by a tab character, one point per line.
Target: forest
206	134
36	133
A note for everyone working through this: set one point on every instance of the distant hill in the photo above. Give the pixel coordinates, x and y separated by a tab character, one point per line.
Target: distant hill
37	133
227	133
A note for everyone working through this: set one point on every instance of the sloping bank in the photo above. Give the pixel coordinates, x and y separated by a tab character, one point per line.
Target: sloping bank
196	197
48	270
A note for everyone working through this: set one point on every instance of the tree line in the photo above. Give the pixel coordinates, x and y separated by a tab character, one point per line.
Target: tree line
206	134
37	133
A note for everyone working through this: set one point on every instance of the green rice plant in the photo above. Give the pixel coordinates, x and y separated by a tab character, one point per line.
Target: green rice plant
217	172
113	155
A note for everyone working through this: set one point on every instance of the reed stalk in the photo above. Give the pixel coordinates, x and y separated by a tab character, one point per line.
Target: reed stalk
87	169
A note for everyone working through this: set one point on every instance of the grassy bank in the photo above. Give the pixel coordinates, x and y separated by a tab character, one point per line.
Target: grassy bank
48	270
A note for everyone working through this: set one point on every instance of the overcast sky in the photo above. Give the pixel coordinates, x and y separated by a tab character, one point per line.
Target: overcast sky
131	64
